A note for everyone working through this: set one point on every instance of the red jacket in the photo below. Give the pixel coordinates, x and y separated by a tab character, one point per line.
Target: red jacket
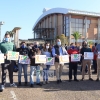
72	51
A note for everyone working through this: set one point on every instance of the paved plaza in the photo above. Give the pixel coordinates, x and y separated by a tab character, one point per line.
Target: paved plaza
83	90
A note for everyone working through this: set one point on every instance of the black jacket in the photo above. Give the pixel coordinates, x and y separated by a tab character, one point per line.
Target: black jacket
33	52
84	49
23	51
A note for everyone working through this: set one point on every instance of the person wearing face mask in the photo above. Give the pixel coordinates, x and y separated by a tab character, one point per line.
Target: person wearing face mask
23	50
86	68
34	67
85	48
36	44
46	51
6	46
57	51
73	65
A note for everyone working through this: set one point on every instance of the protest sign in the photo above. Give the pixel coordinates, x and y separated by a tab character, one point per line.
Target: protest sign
75	57
24	59
40	59
64	59
50	61
1	58
88	55
12	55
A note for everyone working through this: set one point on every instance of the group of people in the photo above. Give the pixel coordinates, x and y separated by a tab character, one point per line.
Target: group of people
50	51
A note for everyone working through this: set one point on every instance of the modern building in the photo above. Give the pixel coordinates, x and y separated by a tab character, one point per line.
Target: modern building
58	21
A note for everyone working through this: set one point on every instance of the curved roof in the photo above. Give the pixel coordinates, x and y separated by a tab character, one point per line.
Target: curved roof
51	11
65	11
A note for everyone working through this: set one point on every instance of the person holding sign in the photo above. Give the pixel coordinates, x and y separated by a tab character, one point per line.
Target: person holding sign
73	63
34	67
23	51
98	61
57	51
6	46
46	51
85	62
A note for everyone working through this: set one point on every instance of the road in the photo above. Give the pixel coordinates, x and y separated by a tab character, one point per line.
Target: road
83	90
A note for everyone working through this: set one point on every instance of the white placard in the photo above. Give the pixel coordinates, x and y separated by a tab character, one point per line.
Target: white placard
64	59
40	59
98	55
50	61
88	55
12	55
1	58
75	57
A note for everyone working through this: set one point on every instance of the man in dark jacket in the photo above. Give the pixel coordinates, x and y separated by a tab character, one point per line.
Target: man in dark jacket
85	48
57	51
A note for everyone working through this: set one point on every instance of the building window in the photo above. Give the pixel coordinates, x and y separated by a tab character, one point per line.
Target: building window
81	21
77	25
66	26
88	21
73	20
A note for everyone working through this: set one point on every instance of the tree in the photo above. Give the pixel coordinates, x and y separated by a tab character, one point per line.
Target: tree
76	36
90	43
63	39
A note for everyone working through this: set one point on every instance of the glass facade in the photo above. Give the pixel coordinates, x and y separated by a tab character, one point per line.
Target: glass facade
76	25
66	26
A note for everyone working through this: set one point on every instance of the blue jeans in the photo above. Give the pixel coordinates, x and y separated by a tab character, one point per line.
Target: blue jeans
45	73
20	66
32	70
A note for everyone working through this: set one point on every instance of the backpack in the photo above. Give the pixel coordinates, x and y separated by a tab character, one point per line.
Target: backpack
15	68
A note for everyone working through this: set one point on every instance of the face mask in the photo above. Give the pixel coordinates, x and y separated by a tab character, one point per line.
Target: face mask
72	47
47	47
85	45
7	39
23	46
58	43
35	46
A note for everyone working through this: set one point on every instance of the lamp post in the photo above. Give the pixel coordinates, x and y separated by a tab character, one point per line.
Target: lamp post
1	23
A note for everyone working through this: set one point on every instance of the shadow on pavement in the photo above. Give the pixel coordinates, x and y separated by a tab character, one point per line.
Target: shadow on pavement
85	85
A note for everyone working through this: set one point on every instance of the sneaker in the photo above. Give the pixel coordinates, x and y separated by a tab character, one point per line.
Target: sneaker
60	80
90	79
82	79
2	87
97	80
1	90
76	80
44	82
25	83
39	84
19	84
47	82
13	85
70	80
94	72
32	85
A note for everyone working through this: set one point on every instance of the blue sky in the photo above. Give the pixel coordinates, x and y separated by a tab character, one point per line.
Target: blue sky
24	13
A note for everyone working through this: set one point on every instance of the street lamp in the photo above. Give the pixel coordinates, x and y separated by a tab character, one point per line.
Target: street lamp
1	23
